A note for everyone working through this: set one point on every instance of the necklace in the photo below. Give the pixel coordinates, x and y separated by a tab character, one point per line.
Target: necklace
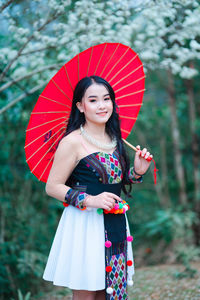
94	142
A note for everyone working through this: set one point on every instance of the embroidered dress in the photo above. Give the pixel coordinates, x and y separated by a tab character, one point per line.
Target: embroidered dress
78	257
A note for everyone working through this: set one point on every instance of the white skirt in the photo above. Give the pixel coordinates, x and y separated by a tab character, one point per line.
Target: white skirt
77	255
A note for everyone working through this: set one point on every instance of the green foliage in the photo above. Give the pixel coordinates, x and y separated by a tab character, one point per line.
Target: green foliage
187	254
21	297
169	225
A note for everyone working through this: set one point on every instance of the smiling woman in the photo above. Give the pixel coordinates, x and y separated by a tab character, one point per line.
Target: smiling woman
91	252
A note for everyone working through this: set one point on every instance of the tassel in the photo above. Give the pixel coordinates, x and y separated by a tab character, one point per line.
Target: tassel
154	171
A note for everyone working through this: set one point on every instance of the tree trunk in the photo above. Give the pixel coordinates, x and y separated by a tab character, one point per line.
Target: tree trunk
195	160
194	145
176	141
166	196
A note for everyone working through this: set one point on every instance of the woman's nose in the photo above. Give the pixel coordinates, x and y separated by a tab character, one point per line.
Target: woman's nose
101	104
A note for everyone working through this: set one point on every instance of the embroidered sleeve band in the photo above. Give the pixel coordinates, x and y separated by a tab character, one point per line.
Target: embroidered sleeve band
132	178
75	198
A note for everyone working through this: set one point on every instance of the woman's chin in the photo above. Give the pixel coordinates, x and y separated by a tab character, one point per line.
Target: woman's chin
100	121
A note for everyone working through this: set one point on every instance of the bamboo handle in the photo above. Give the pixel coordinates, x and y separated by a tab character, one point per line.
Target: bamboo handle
131	146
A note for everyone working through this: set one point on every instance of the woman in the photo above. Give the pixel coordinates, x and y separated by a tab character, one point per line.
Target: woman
90	252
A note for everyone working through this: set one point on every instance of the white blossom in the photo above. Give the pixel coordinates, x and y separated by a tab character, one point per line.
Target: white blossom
19	72
188	73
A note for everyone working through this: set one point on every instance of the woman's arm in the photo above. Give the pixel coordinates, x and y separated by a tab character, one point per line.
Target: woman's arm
63	165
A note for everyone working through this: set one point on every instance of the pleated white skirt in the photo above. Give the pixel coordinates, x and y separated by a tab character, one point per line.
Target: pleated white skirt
77	256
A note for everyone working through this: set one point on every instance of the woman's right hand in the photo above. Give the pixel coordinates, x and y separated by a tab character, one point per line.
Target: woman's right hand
104	200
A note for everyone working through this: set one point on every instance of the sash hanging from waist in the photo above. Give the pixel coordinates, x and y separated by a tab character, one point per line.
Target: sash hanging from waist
115	224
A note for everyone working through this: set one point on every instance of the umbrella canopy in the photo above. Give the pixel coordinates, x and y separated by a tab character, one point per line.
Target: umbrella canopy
116	63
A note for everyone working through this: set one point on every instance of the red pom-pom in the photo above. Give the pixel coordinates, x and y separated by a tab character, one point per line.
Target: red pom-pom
108	244
129	238
65	204
108	269
129	263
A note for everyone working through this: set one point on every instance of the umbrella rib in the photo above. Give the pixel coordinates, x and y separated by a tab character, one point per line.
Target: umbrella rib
68	78
48	112
130	94
117	63
44	144
61	90
43	134
129	84
130	105
126	131
45	123
126	117
100	57
128	75
90	60
55	101
109	59
123	68
47	165
47	151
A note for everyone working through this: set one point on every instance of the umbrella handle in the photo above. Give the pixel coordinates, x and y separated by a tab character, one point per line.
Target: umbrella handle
131	146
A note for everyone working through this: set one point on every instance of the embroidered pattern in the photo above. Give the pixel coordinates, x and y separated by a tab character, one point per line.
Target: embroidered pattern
75	198
132	176
94	163
112	166
118	277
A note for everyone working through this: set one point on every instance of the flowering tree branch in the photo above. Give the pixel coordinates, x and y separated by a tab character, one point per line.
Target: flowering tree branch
5	5
22	96
25	44
10	83
38	50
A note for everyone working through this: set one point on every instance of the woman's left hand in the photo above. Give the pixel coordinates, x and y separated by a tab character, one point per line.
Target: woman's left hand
142	160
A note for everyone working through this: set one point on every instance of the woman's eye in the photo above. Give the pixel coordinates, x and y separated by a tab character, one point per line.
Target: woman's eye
106	99
92	100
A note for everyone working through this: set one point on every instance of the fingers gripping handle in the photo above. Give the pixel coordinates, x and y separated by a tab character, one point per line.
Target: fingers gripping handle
148	159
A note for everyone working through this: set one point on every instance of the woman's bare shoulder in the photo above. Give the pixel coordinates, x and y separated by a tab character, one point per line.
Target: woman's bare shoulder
71	140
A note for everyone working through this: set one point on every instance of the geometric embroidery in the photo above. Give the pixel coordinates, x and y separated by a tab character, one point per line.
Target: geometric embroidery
75	198
118	277
112	166
132	178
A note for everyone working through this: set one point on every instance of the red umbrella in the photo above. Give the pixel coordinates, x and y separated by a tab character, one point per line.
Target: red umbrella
116	63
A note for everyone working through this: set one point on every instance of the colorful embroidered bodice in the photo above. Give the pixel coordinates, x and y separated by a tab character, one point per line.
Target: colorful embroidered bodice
111	165
99	167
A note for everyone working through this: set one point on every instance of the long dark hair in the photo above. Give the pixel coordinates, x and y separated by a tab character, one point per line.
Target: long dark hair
112	126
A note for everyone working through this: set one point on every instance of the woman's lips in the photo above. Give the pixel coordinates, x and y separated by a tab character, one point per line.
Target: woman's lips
102	113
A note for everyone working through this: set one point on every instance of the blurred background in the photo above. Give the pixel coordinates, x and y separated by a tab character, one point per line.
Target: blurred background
36	39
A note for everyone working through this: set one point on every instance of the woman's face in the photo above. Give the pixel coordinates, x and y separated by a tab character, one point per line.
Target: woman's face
96	104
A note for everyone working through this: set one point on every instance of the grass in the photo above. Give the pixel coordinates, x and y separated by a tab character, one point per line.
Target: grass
152	283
